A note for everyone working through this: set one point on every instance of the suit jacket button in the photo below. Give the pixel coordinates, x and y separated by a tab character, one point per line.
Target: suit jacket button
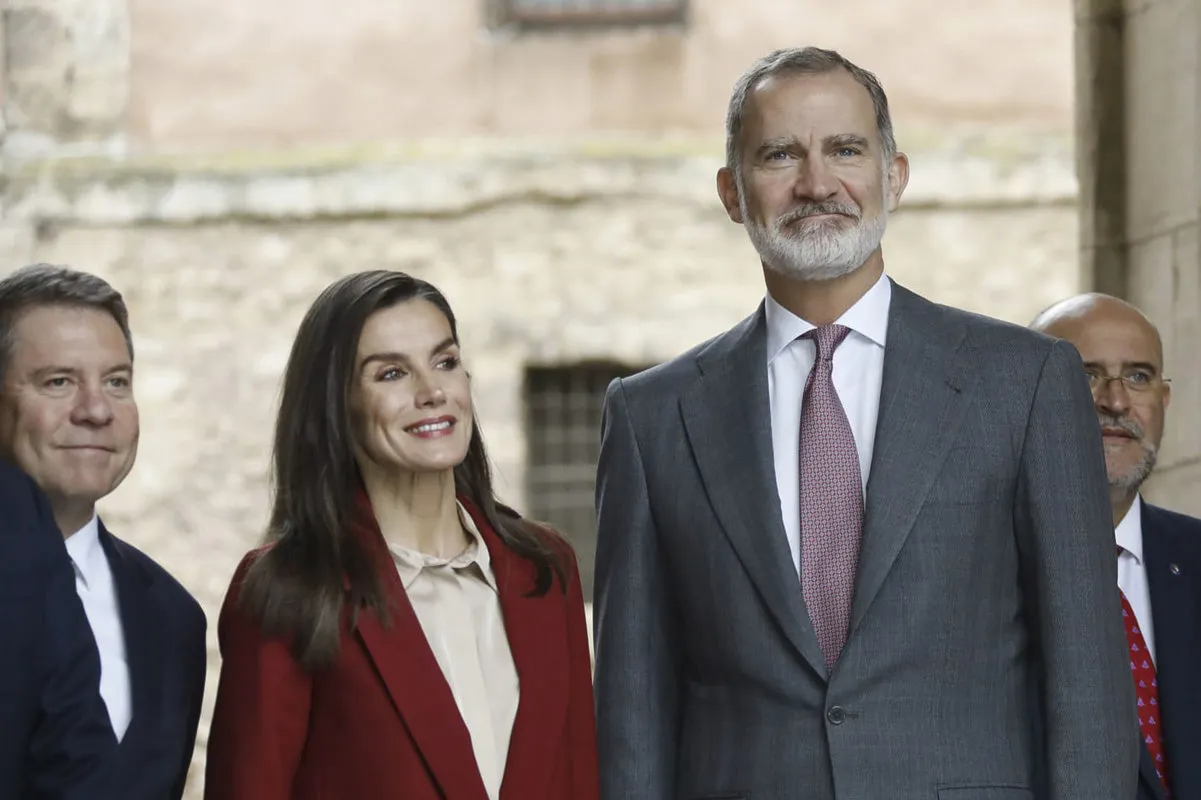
836	715
1174	569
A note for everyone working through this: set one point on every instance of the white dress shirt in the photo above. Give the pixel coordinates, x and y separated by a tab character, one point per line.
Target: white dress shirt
1132	571
457	604
94	584
858	373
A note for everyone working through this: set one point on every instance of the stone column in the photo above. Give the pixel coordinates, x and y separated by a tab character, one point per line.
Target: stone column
1100	143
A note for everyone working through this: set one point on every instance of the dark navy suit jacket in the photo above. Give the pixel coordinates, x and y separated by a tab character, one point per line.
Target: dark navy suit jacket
164	630
1172	555
55	738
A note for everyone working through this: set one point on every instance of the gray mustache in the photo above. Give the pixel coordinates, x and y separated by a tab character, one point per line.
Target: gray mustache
1121	423
813	209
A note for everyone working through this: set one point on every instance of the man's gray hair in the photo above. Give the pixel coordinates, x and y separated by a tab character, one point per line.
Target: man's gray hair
803	61
42	285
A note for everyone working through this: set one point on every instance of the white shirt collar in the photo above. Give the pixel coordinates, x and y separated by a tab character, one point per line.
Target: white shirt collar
86	553
868	317
1129	533
410	563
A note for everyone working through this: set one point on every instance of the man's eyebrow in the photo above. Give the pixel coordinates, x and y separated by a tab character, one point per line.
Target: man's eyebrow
834	140
1146	366
848	139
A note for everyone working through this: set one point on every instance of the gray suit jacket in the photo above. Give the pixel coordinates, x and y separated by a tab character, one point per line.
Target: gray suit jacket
987	658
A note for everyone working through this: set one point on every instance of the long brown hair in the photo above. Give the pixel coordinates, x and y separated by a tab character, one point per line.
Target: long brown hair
314	568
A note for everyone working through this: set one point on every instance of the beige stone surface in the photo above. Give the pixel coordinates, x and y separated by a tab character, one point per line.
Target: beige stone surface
418	69
1167	284
16	244
1162	44
3	78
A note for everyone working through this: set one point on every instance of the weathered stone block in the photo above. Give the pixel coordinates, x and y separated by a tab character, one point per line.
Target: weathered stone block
1182	335
1161	120
1100	128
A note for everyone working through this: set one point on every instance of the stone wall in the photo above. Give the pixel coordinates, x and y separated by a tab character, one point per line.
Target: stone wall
415	69
1139	84
219	75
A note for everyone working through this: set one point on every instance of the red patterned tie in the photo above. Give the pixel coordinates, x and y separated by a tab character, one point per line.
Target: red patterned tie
831	500
1147	690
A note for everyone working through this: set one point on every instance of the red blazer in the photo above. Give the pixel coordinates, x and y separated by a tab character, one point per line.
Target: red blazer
381	722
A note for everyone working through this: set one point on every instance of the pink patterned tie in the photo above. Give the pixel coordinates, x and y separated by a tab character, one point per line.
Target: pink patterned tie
831	500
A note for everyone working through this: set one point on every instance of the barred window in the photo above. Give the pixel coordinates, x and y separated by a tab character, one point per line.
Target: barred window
563	415
572	13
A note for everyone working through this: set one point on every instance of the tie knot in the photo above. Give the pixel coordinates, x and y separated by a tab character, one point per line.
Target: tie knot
826	339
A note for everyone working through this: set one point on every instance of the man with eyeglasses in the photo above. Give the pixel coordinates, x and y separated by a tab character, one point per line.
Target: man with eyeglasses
1158	551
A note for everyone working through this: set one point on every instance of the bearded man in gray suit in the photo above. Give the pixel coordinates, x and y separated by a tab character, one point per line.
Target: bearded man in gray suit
858	547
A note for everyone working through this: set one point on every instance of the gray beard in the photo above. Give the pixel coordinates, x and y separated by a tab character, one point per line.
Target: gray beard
817	255
1136	475
823	254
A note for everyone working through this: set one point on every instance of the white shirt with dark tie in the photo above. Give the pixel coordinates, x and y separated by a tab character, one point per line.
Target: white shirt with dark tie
1132	571
94	584
858	375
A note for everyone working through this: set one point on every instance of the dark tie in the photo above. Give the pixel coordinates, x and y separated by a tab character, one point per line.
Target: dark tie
831	500
1147	689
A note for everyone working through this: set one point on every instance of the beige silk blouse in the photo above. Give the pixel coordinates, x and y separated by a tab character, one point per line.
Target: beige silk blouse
458	606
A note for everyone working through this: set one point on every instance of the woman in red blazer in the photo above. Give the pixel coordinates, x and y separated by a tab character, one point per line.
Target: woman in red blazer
402	635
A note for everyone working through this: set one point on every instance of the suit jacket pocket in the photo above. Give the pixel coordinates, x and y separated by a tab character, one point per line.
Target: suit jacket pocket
984	793
720	797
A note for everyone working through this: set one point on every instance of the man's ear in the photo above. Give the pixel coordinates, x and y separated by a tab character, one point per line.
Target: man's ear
898	179
727	190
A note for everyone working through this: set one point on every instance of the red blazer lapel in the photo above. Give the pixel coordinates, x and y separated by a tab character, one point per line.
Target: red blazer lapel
537	631
413	679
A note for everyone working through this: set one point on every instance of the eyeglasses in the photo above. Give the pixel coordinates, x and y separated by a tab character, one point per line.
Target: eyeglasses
1137	381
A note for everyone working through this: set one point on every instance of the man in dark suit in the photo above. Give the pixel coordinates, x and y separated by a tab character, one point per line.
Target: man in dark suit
68	418
1159	551
55	741
841	544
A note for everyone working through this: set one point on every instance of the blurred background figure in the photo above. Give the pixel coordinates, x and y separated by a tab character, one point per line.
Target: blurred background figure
548	164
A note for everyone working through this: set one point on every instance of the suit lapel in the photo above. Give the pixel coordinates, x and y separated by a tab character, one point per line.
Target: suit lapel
1172	579
413	679
924	394
727	417
1147	775
536	629
141	626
